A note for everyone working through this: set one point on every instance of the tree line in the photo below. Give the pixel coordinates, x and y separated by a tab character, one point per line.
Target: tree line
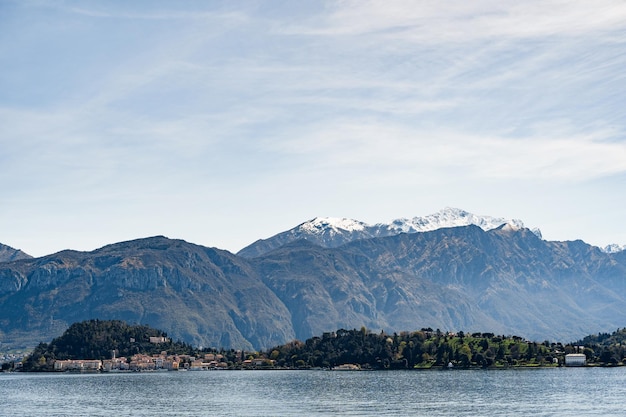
428	348
605	348
423	349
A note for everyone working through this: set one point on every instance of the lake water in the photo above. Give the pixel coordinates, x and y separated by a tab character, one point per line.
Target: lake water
529	392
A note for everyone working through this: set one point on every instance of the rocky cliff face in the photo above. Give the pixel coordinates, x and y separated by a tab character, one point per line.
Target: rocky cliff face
505	280
522	284
329	289
200	295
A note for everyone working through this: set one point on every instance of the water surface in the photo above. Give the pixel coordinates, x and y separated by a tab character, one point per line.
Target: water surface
536	392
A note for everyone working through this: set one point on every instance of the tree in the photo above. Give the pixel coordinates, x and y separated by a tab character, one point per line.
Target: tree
501	351
464	355
607	357
484	344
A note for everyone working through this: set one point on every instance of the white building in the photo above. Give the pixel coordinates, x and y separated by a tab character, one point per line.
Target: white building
78	365
575	359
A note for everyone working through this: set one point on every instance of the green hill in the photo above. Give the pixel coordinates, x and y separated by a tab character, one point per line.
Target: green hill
427	349
97	339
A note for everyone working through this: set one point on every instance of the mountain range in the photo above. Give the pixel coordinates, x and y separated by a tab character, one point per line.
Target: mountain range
333	232
452	270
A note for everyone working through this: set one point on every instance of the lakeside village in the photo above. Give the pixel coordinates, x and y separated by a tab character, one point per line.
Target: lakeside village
114	346
160	362
210	361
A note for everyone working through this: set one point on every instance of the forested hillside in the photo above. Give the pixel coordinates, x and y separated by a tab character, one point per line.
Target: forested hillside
423	349
98	339
607	348
427	348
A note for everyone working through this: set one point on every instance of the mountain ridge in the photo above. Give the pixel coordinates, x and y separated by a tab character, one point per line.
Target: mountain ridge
506	279
8	254
200	295
334	231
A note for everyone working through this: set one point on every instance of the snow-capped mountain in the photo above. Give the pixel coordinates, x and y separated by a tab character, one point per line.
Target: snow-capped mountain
324	231
613	248
333	231
449	217
335	225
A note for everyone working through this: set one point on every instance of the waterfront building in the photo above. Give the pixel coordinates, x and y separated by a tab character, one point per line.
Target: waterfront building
575	359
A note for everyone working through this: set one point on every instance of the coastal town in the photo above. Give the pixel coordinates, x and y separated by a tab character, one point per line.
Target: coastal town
160	362
113	346
210	361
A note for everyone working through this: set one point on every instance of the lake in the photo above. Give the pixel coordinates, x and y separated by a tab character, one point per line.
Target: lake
523	392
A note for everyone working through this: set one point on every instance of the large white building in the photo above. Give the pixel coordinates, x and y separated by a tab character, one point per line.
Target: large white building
575	359
78	365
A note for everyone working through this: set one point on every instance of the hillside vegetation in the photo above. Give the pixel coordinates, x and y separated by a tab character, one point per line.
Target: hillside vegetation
427	349
98	339
423	349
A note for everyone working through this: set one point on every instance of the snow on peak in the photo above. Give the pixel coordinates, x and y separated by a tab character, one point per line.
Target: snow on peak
321	224
448	217
451	217
509	227
334	231
614	248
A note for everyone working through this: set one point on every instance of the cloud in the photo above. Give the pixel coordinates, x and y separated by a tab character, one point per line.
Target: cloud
461	21
122	108
444	155
129	11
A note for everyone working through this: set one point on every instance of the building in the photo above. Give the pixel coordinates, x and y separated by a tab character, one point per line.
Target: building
115	364
78	365
575	359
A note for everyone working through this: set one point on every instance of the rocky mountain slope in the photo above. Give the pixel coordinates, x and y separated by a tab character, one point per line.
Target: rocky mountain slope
200	295
8	254
504	280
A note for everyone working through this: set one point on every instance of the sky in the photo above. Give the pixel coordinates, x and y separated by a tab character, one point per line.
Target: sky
224	122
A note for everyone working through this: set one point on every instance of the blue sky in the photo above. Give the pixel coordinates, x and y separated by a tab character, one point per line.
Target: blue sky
224	122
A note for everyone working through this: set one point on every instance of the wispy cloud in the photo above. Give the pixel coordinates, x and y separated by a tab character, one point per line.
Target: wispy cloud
113	10
454	21
123	104
446	155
